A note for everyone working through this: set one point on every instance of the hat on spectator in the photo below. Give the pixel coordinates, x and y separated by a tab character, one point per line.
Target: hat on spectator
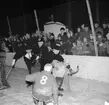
86	25
62	28
99	33
57	46
28	47
40	40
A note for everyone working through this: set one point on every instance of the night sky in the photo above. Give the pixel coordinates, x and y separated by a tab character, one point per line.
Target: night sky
72	13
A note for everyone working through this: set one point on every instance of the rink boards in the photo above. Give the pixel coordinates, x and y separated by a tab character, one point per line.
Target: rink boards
95	68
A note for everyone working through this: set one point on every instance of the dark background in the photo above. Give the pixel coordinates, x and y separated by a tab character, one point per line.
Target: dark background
72	13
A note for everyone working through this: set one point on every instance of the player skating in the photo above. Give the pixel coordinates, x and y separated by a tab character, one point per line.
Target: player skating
44	86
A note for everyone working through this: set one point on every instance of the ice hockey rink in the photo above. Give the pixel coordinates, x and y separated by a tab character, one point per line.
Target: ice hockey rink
85	88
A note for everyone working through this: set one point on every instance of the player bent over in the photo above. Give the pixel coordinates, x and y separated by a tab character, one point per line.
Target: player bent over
44	86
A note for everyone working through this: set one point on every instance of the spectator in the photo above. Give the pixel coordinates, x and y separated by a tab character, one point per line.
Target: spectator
102	48
74	48
52	40
79	47
98	29
105	29
64	39
76	36
85	48
85	33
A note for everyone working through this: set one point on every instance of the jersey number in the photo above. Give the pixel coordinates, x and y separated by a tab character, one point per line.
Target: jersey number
43	80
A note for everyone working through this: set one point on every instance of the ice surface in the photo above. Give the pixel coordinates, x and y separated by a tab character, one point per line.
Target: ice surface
83	92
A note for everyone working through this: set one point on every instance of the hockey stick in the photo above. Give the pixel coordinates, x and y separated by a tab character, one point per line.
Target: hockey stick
13	63
9	72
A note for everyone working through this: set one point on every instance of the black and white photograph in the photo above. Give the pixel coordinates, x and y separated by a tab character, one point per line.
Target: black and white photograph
54	52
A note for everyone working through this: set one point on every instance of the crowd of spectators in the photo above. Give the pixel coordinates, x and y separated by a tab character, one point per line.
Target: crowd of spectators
79	42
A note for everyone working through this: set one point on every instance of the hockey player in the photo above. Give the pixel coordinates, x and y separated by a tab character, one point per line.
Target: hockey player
61	70
44	86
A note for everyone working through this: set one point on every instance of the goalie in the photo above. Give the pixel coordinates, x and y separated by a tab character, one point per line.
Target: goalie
61	70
